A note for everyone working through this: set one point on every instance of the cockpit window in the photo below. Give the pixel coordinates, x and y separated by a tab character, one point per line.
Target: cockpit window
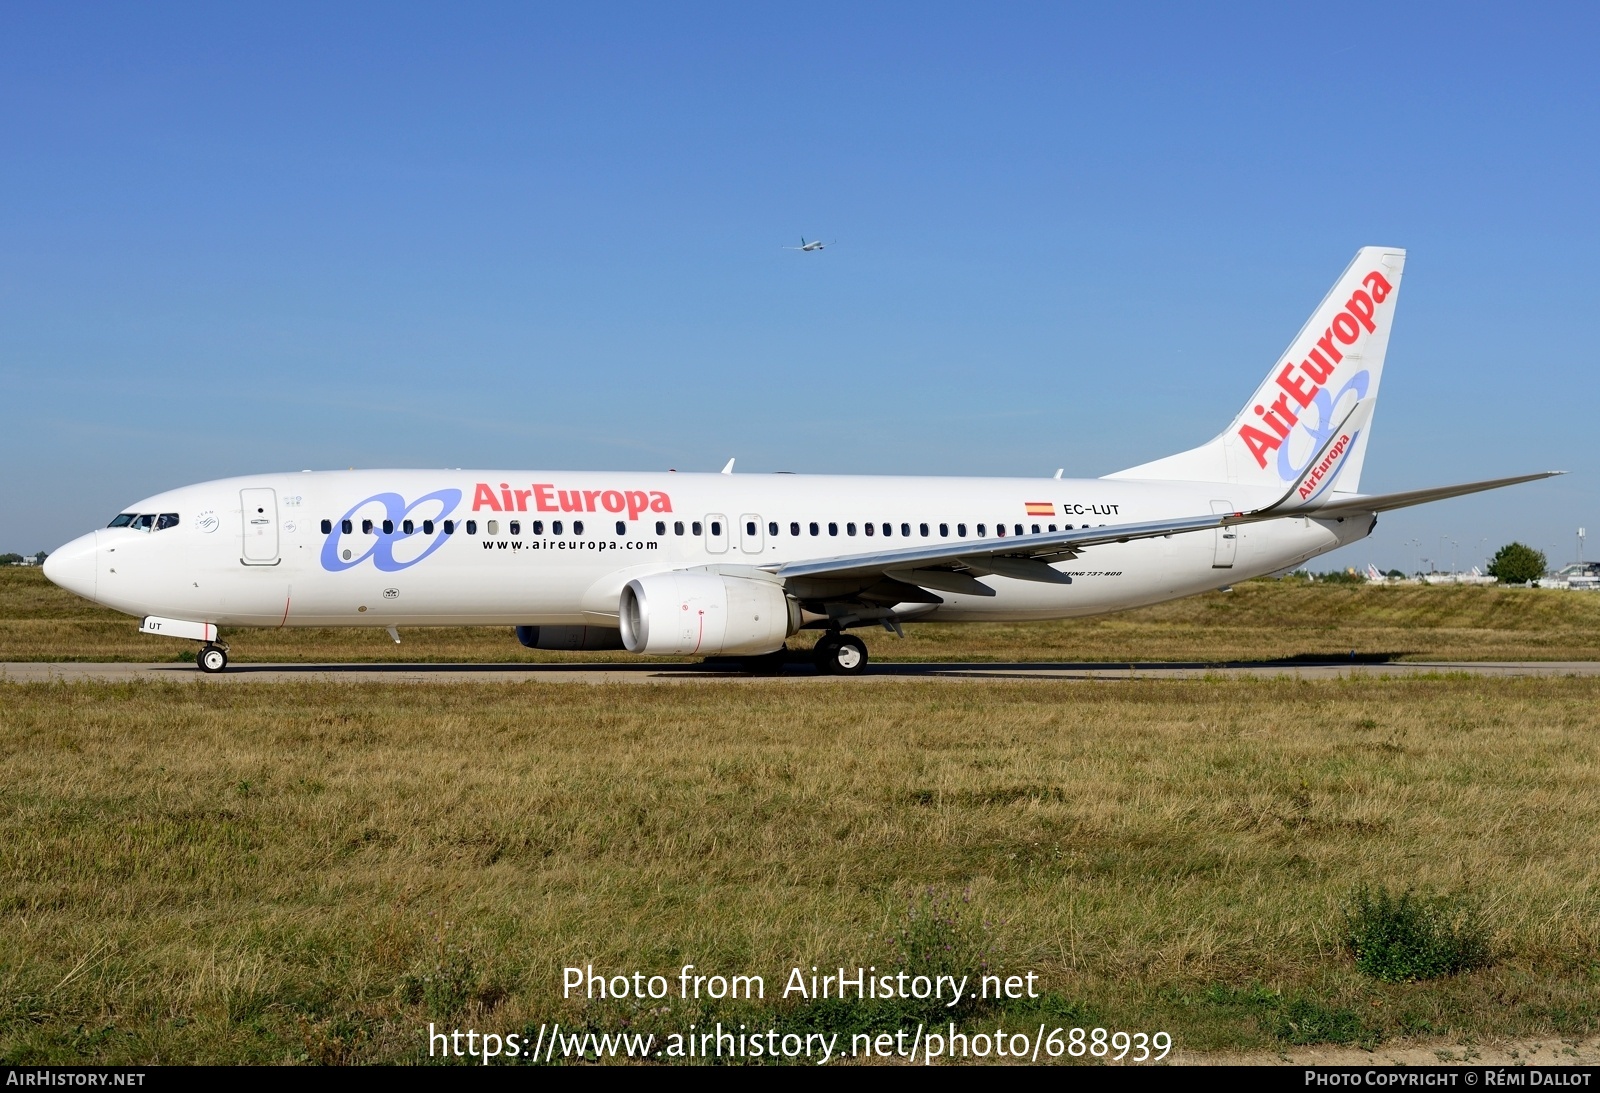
144	521
122	520
166	520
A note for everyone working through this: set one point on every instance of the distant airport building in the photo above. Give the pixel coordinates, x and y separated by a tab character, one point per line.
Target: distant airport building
1578	577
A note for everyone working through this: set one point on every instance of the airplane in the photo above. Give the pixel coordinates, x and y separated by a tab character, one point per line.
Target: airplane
815	244
733	565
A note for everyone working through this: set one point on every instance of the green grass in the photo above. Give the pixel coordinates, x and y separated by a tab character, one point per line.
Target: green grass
313	871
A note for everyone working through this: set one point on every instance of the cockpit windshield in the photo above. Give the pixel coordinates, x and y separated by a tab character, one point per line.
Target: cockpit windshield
145	521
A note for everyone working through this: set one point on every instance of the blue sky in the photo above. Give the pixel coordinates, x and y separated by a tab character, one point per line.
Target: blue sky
237	239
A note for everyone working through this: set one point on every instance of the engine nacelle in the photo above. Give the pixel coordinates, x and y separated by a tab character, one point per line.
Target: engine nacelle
570	638
705	614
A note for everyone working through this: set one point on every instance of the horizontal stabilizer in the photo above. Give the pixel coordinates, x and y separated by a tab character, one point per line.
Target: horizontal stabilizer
1383	502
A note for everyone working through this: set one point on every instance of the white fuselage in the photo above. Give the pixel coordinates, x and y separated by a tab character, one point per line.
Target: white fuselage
273	550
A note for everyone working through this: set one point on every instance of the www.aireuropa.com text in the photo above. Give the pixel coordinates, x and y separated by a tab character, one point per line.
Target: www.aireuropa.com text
549	1043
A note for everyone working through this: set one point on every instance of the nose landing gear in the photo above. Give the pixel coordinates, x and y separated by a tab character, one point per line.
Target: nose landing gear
212	658
840	655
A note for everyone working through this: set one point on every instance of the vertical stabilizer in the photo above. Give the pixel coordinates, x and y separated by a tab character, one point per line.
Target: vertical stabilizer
1335	362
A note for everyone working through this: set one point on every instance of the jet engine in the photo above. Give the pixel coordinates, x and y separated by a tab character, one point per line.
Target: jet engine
707	614
570	638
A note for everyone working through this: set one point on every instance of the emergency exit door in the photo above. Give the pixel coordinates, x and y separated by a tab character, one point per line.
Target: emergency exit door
751	541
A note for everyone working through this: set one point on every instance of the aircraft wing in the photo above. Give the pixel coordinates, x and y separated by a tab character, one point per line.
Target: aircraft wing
1020	556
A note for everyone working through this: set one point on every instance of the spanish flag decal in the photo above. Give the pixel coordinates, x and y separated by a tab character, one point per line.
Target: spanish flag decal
1041	508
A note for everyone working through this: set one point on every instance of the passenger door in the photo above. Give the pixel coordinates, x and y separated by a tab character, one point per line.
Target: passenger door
1227	538
260	515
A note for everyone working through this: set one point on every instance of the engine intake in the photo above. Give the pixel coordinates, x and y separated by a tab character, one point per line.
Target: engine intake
705	614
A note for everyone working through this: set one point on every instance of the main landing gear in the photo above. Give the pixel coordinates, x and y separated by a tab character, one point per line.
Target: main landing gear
212	658
840	655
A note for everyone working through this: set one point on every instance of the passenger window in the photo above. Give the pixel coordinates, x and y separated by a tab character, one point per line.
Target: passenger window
999	529
870	529
407	527
772	527
537	527
622	527
750	528
366	527
345	526
555	527
961	530
677	528
716	527
814	530
449	527
327	527
794	529
577	527
492	527
661	527
516	527
388	527
849	529
121	520
923	529
905	530
1052	527
427	527
472	527
695	527
833	529
1018	528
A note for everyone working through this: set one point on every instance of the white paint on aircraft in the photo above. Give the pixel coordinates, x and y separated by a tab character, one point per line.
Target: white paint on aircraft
735	564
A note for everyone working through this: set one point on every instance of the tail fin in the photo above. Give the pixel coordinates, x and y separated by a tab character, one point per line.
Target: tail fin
1334	362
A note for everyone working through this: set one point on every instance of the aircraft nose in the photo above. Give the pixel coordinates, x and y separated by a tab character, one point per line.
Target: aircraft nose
74	566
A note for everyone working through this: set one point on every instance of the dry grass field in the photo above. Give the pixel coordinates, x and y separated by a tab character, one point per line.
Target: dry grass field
314	871
1258	620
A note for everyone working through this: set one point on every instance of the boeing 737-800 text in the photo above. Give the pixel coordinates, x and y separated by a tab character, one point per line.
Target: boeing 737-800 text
733	565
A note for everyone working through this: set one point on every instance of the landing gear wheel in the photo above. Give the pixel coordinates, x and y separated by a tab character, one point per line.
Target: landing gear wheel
841	655
212	659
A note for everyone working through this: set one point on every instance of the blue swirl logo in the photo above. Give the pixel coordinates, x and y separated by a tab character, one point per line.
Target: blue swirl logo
1326	423
396	549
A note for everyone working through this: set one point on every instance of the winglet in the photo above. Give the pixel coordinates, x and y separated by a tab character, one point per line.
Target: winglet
728	468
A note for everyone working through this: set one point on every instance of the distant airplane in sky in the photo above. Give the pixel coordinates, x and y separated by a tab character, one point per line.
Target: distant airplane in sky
815	244
733	565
